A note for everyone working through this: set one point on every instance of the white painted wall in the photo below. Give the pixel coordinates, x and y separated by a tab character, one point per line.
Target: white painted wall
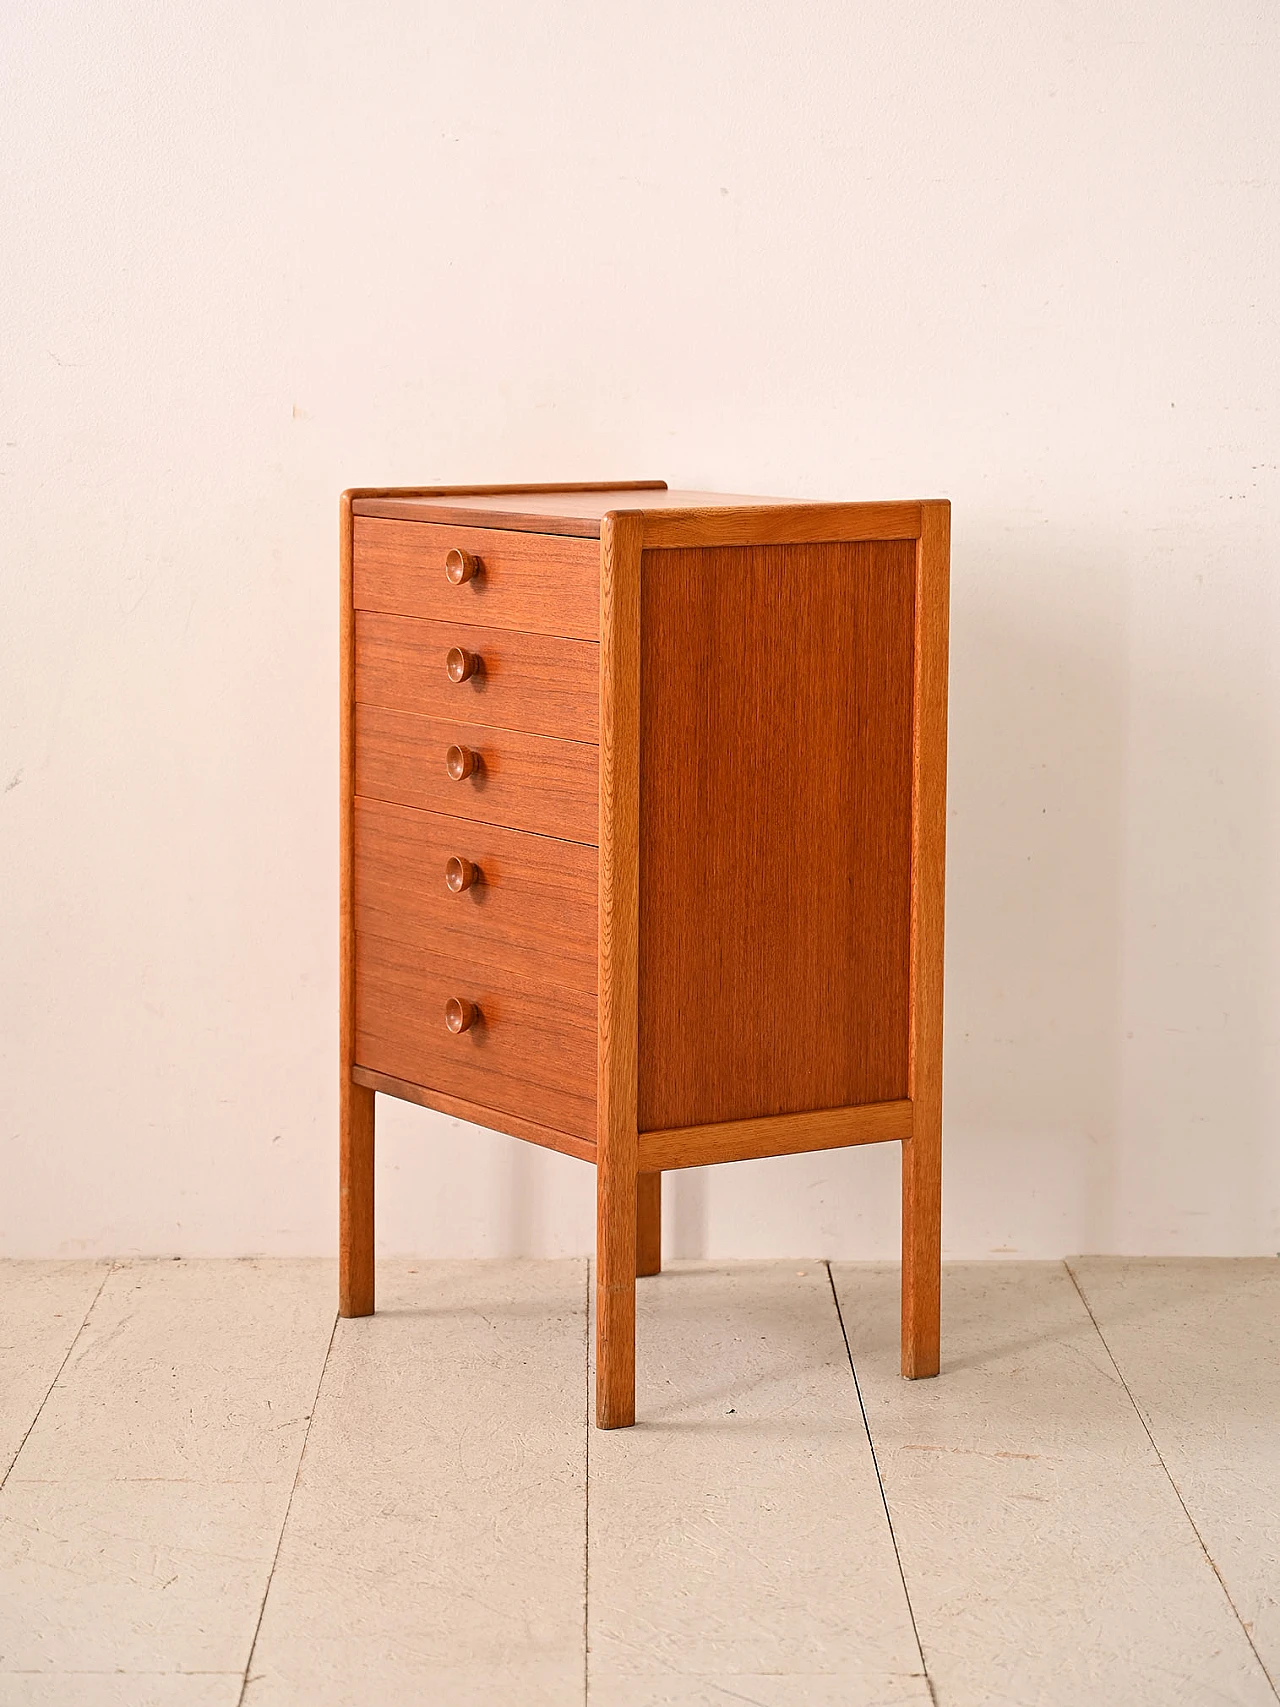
1023	256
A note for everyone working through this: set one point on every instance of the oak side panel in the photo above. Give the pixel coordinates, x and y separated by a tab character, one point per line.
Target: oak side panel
616	1170
526	782
779	1135
531	908
355	1102
922	1156
532	1052
533	581
583	1149
774	829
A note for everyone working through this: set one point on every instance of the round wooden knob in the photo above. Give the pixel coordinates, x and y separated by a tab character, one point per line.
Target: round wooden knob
461	566
460	874
460	664
461	762
460	1014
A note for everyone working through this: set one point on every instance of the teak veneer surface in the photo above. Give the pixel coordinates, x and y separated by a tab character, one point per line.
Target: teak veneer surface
495	1120
571	512
775	830
525	782
670	518
532	1054
540	582
777	1135
537	683
532	910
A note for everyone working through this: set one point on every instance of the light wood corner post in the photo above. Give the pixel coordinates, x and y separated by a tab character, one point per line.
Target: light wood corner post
355	1102
618	1187
922	1152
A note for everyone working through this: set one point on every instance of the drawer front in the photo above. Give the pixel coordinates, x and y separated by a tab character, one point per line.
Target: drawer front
525	782
529	905
537	683
536	581
531	1052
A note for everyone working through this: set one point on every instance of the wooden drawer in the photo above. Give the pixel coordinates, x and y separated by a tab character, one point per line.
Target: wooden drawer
536	581
531	911
526	782
531	1054
537	683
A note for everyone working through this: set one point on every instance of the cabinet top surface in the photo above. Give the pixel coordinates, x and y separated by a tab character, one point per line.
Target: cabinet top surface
567	509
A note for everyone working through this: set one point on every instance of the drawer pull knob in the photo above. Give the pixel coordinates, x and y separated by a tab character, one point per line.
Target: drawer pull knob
461	761
460	1014
461	664
461	566
460	874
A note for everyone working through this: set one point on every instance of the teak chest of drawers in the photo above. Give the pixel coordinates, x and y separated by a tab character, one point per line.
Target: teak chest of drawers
643	819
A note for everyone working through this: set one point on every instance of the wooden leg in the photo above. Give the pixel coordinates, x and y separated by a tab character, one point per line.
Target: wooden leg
355	1201
616	1193
649	1224
921	1249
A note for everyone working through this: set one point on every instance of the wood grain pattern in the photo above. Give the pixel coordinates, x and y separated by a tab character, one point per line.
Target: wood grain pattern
531	912
770	813
358	497
775	830
777	523
355	1102
648	1224
575	512
356	1099
533	1054
779	1135
922	1156
536	683
526	782
616	1168
496	1120
671	518
537	582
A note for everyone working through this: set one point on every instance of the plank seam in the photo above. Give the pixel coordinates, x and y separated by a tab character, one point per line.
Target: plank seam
884	1498
284	1522
75	1341
1146	1429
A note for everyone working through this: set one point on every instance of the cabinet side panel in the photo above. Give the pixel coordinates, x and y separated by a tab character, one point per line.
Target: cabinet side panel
775	829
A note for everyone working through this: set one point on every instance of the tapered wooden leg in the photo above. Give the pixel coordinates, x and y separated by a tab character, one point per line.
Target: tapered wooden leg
355	1201
616	1192
649	1224
921	1250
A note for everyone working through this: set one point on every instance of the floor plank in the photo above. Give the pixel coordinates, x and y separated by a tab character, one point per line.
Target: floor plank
737	1541
434	1548
139	1522
1046	1554
42	1309
1198	1345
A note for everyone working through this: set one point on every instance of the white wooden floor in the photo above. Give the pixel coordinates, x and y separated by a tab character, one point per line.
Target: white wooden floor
212	1497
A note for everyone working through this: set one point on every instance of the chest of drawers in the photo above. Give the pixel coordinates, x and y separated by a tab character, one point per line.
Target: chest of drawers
642	826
